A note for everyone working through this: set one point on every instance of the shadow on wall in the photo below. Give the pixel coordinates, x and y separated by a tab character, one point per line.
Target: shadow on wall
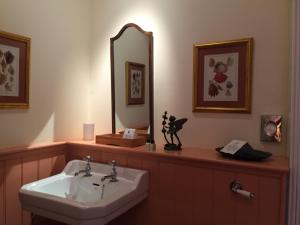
22	168
59	70
23	127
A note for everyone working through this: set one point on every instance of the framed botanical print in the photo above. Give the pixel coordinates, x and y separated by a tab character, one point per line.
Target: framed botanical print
222	76
14	70
135	83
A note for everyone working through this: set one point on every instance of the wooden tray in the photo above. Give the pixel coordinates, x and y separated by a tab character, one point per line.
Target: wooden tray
118	140
139	132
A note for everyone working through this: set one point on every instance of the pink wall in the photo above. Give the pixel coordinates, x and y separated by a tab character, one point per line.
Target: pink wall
187	187
192	187
22	166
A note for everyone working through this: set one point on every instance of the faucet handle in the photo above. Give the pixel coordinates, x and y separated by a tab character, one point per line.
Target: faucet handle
88	158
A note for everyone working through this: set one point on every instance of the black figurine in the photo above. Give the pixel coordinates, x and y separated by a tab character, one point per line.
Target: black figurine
171	129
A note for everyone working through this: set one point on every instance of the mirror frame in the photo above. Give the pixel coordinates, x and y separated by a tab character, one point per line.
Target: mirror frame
151	88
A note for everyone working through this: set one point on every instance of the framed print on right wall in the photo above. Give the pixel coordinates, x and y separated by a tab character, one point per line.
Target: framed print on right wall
222	76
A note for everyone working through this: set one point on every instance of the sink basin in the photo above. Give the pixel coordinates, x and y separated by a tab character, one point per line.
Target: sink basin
81	200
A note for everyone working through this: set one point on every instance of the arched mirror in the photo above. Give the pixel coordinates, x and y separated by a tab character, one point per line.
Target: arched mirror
132	80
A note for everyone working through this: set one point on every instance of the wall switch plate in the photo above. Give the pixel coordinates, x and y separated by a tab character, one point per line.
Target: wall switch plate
270	130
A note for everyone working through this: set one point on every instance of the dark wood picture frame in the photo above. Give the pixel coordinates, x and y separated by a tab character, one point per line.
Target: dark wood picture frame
222	76
14	70
135	83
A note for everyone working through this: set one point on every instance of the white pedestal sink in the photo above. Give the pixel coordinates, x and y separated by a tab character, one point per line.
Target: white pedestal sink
83	200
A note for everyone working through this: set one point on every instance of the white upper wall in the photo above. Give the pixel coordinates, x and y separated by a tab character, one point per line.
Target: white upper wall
59	70
176	26
65	51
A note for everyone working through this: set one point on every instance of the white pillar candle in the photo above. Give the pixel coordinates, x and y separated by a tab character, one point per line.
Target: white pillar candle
88	131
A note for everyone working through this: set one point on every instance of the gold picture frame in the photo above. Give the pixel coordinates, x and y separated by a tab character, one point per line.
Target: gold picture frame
135	83
14	70
222	76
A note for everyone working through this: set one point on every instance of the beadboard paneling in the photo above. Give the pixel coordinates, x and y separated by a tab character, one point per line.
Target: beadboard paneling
2	199
269	202
203	182
23	166
30	174
194	193
107	157
44	168
180	191
58	163
223	198
247	209
13	182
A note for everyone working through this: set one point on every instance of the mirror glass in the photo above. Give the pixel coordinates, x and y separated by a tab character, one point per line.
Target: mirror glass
132	80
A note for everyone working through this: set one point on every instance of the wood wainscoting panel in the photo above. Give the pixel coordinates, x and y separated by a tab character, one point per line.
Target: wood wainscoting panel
166	195
79	152
134	162
30	174
107	157
148	212
150	209
185	190
269	202
58	164
196	191
247	209
203	183
13	182
2	197
21	166
223	199
45	167
30	170
76	153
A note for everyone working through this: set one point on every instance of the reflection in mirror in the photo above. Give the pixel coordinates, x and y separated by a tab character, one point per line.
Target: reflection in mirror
132	80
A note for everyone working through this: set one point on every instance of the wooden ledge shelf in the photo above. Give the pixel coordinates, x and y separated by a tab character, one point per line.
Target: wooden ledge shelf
32	150
196	155
192	155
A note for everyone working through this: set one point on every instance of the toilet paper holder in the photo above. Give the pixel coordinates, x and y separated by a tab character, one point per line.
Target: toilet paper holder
237	188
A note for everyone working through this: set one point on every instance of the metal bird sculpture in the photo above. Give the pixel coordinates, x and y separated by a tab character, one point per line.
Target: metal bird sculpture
171	128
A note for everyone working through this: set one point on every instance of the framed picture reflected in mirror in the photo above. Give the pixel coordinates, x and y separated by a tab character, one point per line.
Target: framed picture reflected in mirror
135	83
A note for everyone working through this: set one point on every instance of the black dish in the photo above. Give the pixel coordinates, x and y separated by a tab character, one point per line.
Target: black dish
246	153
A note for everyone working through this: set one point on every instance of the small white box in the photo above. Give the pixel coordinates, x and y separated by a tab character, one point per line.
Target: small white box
88	131
129	133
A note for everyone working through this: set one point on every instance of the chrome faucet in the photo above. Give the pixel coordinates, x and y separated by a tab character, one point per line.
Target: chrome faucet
87	169
113	175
